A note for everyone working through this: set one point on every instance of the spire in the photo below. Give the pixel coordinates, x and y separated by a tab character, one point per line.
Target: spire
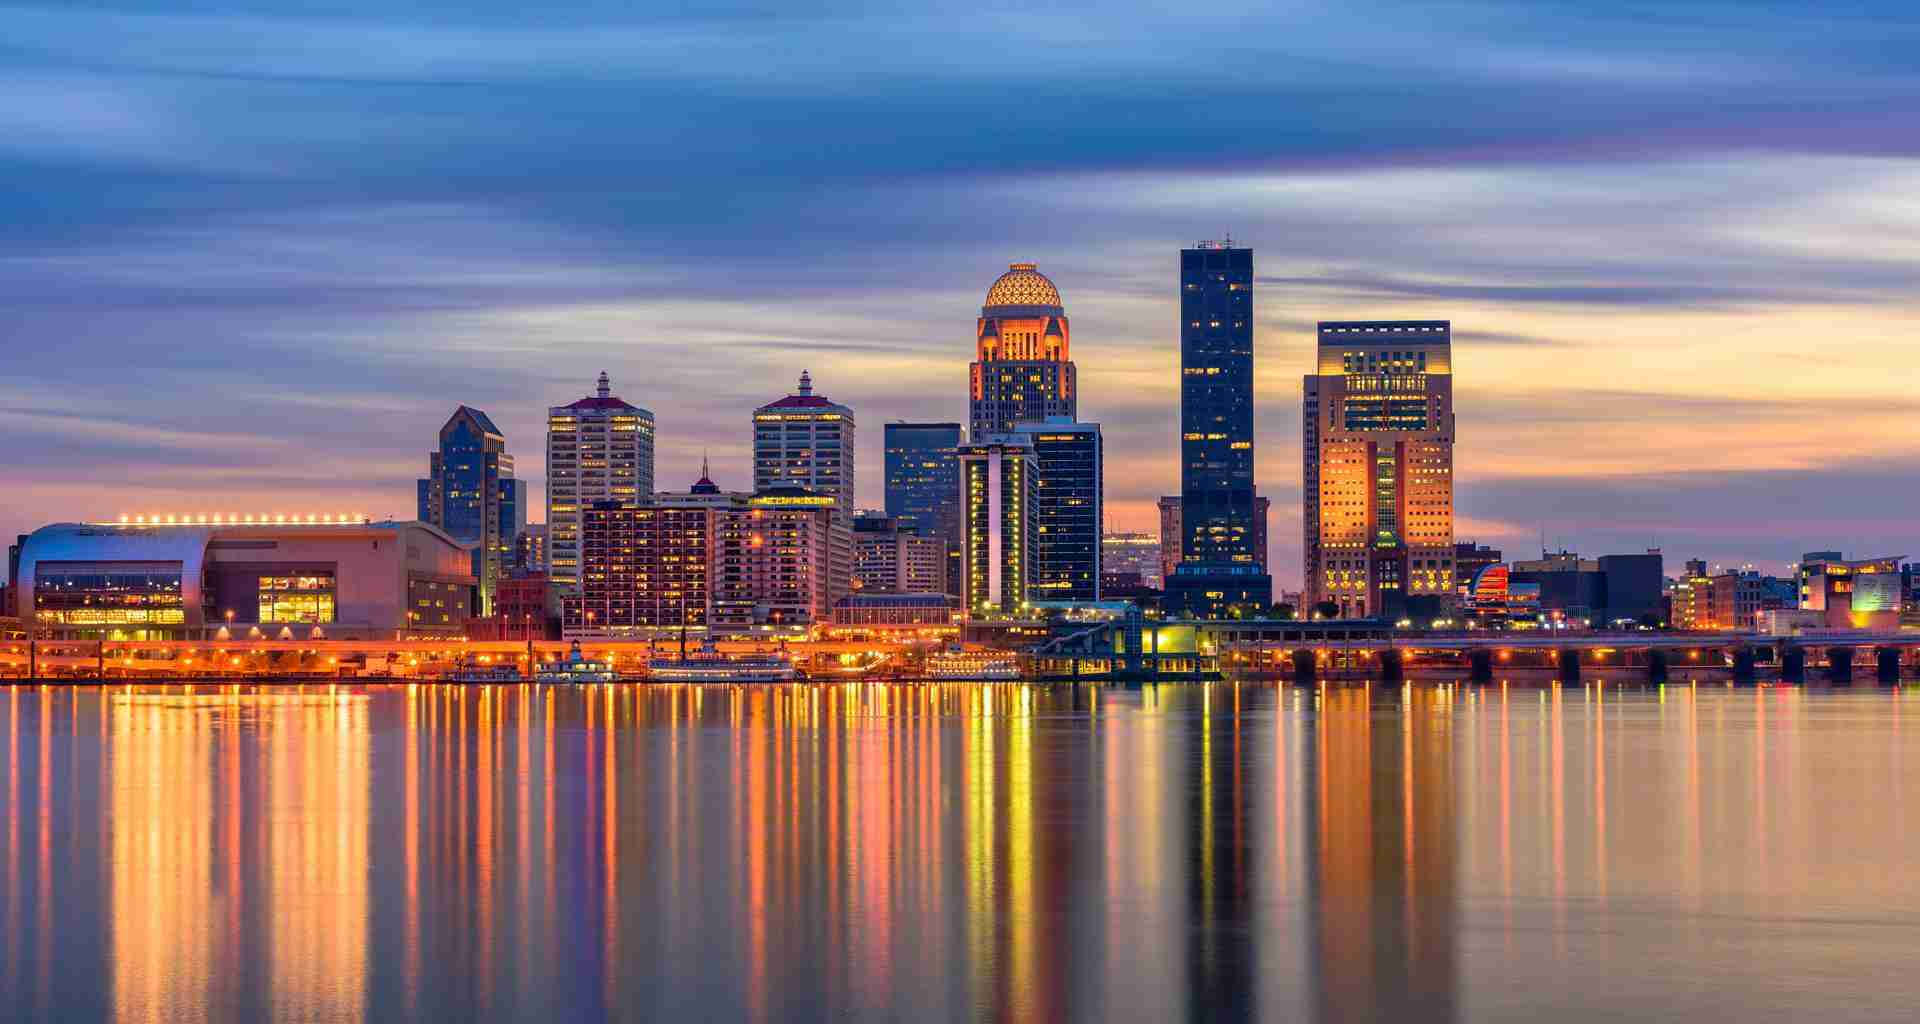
704	473
606	386
806	383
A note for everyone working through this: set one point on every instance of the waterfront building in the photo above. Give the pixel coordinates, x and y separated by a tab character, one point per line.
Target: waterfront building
524	608
923	486
923	615
1220	569
647	570
998	493
470	492
1605	591
599	448
1468	559
1852	594
805	440
889	559
1132	554
1378	434
269	576
781	562
1170	532
1022	371
1068	510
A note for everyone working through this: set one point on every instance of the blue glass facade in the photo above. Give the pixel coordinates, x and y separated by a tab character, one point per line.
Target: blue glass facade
1219	568
470	492
923	484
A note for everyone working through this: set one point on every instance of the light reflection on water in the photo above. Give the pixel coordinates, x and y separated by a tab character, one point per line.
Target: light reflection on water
956	852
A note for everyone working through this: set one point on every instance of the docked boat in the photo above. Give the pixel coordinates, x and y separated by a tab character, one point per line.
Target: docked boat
707	665
476	672
577	668
956	663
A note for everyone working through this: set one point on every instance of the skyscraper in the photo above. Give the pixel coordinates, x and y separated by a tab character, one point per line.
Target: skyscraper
1170	532
923	486
997	480
1067	510
1377	448
1219	569
470	492
1021	372
599	448
805	440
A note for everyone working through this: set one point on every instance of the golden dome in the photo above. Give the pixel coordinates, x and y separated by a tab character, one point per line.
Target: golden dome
1022	285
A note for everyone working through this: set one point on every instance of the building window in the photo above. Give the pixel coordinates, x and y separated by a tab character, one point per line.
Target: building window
303	599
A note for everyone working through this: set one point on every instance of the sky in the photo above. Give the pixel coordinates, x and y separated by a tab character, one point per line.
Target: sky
255	254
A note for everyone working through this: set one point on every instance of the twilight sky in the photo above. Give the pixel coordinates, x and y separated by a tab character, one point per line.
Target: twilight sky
254	254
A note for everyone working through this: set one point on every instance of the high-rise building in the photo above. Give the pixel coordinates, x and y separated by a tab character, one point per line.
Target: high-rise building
1021	372
599	448
1377	501
923	486
998	486
805	440
647	569
781	563
470	492
889	559
1170	532
1132	554
1067	510
1220	568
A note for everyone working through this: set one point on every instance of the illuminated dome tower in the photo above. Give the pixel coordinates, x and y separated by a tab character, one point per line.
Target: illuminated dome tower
1021	372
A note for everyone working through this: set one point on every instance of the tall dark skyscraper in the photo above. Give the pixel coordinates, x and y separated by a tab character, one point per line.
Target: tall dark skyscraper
1219	569
1067	510
470	492
1022	372
923	485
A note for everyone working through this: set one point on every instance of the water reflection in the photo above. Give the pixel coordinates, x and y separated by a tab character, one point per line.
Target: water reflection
947	852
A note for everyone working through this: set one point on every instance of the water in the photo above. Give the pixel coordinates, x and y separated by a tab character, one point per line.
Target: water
958	852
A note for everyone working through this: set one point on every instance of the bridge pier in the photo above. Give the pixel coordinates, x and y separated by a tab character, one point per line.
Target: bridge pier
1656	665
1569	660
1840	664
1480	666
1393	665
1304	668
1887	664
1793	663
1743	664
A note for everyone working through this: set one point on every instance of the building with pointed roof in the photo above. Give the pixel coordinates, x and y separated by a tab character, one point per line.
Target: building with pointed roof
599	448
470	492
805	440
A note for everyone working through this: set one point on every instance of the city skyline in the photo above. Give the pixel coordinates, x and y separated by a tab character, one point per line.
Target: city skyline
1645	241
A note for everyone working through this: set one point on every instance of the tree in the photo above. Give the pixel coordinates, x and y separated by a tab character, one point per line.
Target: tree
1282	610
1327	610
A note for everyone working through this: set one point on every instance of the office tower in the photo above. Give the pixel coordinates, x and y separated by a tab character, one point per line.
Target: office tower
1067	510
1132	554
1220	569
598	449
805	440
470	492
998	488
1022	372
1378	466
1170	533
781	562
530	551
647	569
890	559
923	487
